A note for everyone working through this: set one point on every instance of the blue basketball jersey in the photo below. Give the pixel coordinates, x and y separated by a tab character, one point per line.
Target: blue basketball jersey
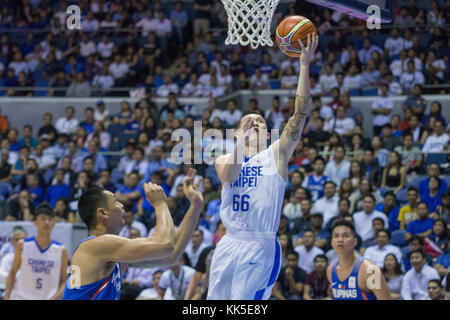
103	289
349	289
316	186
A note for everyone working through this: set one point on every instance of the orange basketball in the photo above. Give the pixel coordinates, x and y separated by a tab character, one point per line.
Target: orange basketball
290	30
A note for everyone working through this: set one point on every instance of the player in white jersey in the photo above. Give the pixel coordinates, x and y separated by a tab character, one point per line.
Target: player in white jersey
247	260
40	263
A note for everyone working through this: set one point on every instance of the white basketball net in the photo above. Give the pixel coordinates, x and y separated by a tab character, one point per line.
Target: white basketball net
249	21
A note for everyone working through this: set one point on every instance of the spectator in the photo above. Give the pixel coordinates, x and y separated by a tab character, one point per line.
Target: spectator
443	212
307	251
315	182
423	225
378	252
153	293
67	124
377	225
437	142
341	124
300	219
176	279
327	80
353	80
289	80
435	290
317	286
415	281
338	169
363	219
129	193
179	19
130	224
394	44
232	115
393	274
196	246
390	208
58	189
92	152
411	155
404	20
328	204
366	51
371	77
411	77
381	109
408	212
274	115
433	170
291	280
119	70
433	198
104	81
394	176
259	80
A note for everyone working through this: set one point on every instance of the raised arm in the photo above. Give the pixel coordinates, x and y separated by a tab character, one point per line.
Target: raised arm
288	141
187	226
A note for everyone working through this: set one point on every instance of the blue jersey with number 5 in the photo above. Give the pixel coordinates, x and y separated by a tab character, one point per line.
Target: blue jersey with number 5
253	202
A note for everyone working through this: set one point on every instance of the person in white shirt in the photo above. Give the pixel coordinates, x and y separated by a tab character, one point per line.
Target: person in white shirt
328	80
193	88
213	90
67	124
415	281
411	77
328	204
104	80
90	24
378	252
366	51
118	68
195	247
167	88
307	251
139	163
289	79
161	26
176	279
341	124
395	89
398	65
259	80
339	168
363	219
146	24
87	47
6	260
437	142
381	109
105	47
18	64
353	80
130	224
394	44
412	55
274	115
232	114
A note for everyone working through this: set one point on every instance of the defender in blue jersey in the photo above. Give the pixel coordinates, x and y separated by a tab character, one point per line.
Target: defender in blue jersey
353	277
100	260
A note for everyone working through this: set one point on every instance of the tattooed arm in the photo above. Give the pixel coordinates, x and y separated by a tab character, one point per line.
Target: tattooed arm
285	146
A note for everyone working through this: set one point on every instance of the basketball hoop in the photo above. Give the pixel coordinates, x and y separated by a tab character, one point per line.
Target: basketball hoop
249	21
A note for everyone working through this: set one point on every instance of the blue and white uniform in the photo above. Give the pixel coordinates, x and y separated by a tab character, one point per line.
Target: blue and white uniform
349	289
107	288
40	271
246	261
315	185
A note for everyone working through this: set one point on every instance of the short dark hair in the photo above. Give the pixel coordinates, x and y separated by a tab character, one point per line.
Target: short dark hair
385	231
389	193
319	158
343	223
415	237
88	204
413	189
44	209
437	282
321	256
378	219
293	252
420	251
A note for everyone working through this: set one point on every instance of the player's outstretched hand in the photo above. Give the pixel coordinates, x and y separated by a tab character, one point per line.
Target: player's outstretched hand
190	190
307	53
154	193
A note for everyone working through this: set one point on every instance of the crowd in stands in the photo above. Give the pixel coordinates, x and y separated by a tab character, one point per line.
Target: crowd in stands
178	48
391	185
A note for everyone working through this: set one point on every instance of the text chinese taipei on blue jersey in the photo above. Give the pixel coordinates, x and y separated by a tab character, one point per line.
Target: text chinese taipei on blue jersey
253	202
